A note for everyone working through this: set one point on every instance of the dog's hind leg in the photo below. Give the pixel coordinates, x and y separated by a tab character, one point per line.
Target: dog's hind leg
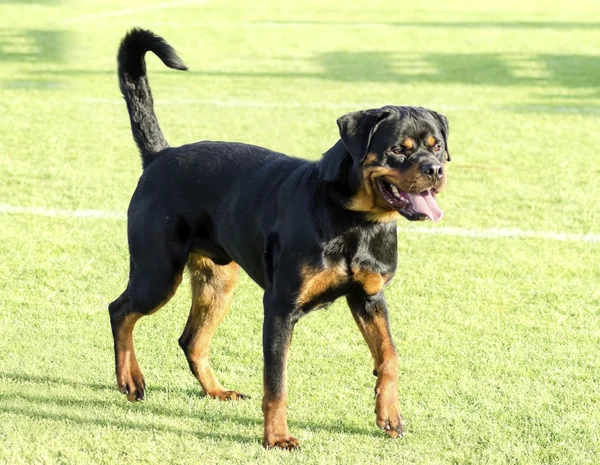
212	293
153	280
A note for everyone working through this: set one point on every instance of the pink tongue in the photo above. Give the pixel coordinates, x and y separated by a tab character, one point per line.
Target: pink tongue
425	203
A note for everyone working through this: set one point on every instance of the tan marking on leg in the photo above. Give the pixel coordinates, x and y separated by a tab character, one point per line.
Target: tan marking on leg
123	318
276	432
274	407
130	380
377	336
371	281
387	405
212	293
316	282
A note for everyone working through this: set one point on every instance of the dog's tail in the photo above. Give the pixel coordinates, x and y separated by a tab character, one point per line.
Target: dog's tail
136	90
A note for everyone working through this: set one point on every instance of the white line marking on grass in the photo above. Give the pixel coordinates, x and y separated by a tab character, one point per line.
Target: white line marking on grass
54	212
589	110
332	24
129	11
492	233
497	233
290	24
327	24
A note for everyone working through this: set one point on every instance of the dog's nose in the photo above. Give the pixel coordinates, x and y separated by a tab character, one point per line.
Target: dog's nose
434	170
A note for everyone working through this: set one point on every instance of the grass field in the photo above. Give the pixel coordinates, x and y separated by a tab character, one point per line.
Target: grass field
499	337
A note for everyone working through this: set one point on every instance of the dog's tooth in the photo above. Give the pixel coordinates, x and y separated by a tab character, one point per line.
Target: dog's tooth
395	191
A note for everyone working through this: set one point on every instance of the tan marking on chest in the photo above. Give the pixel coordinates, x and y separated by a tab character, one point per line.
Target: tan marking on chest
384	217
316	282
371	281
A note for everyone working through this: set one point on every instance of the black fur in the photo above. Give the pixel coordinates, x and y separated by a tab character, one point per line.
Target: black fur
136	91
357	129
272	214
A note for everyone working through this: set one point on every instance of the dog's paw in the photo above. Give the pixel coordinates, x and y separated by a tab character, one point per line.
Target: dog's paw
286	442
228	395
389	418
134	387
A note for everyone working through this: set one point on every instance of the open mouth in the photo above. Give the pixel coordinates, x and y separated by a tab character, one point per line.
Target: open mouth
413	207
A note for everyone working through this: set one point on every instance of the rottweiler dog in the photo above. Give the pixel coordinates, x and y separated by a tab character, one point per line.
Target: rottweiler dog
307	232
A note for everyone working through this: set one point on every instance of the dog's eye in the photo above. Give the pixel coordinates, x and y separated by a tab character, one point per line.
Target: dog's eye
397	150
437	147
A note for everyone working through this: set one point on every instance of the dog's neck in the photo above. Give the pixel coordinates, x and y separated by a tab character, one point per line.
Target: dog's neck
339	175
337	167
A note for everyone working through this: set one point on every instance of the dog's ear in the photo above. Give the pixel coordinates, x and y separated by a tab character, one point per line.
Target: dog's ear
445	128
357	129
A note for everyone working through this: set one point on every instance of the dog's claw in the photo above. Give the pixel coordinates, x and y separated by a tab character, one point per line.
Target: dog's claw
134	389
286	443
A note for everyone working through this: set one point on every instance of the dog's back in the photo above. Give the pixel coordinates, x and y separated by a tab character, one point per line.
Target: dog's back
203	181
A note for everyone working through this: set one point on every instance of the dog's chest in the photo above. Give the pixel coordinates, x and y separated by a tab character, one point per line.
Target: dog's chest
356	263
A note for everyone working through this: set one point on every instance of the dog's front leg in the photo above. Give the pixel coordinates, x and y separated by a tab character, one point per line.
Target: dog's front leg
277	336
371	316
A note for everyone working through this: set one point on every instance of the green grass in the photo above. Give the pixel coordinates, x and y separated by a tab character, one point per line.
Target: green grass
499	339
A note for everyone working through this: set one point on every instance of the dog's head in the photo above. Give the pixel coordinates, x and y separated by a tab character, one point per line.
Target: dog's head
397	162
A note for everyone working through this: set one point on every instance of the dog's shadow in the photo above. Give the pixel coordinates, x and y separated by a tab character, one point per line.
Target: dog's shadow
69	409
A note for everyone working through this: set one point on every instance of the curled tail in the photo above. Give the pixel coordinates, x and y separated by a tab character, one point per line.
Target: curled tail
136	90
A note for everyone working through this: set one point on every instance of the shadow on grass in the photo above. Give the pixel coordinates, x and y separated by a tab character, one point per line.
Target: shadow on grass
33	47
119	402
53	380
36	414
548	74
56	381
497	69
